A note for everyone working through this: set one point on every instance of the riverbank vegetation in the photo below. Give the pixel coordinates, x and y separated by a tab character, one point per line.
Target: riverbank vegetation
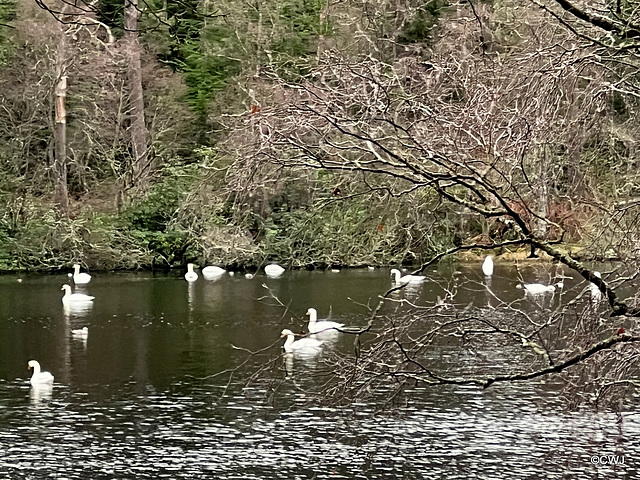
310	133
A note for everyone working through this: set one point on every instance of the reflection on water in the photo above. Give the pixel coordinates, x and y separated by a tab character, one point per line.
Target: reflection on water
167	387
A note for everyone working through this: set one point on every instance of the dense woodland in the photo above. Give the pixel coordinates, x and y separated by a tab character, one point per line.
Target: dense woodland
138	135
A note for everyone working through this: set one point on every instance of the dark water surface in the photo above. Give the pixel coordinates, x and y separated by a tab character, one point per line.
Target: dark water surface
150	395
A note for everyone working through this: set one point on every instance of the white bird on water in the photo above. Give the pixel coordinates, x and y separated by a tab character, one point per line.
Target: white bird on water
403	280
39	377
539	288
316	326
487	266
80	332
304	345
212	272
273	270
190	276
74	298
80	278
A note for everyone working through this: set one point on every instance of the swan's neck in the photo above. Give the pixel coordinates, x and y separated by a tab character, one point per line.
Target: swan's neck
396	276
313	317
67	290
36	370
76	269
288	342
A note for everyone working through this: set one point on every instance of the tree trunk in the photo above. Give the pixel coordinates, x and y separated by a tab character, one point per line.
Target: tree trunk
141	164
59	167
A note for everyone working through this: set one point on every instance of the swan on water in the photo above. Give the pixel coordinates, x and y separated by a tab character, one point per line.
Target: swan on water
487	266
38	376
273	270
538	288
212	272
80	332
74	298
316	326
402	280
80	278
190	276
307	345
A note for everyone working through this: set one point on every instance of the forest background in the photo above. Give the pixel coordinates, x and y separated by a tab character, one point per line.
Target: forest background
315	133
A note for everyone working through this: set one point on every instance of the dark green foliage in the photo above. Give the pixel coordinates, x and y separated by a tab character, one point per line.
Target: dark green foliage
420	27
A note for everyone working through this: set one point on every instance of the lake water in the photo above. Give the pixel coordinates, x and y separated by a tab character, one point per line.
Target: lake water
165	386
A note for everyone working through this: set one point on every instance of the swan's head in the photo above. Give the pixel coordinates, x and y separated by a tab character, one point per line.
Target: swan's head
519	286
66	288
312	311
33	364
285	333
597	274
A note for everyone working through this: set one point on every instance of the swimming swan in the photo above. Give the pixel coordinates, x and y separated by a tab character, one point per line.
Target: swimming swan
399	280
273	270
538	288
38	376
190	276
213	272
306	345
80	278
80	332
487	266
74	298
316	326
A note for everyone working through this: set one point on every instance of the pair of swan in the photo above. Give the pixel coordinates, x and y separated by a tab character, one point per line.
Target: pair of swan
398	279
74	298
309	345
39	377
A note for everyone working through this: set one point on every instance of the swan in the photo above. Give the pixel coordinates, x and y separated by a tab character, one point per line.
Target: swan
487	266
80	332
399	280
74	298
307	345
213	272
190	276
38	376
80	278
538	288
273	270
596	293
316	326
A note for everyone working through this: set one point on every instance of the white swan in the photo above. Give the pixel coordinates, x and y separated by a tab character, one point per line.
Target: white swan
80	332
539	289
596	293
316	326
38	376
190	276
487	266
306	345
212	272
80	278
74	298
273	270
400	280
